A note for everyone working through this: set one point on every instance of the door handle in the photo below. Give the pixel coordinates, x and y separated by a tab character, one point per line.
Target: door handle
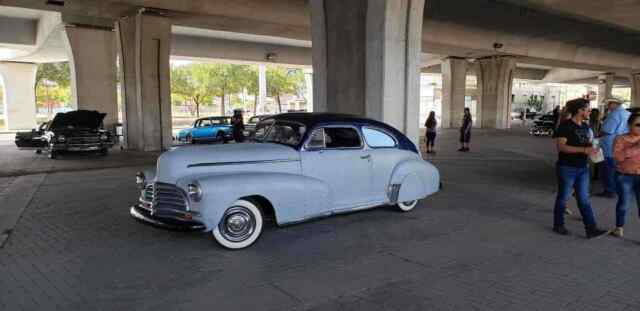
365	157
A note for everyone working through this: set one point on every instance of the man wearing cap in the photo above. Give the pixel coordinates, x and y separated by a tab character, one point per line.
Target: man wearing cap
614	124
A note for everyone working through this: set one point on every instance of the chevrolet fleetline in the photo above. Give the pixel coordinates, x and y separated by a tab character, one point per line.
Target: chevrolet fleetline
306	165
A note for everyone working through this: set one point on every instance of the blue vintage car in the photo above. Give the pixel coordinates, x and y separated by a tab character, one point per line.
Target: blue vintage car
207	130
306	165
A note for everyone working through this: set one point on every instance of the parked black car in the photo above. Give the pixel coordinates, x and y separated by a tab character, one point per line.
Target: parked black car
543	126
250	127
80	130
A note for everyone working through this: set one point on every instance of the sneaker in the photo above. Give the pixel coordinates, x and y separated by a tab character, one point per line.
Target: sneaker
561	230
606	194
618	232
596	233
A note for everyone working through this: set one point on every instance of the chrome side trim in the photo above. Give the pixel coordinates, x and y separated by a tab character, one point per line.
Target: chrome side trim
241	163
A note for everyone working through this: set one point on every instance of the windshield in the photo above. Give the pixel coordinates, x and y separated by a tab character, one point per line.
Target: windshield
287	133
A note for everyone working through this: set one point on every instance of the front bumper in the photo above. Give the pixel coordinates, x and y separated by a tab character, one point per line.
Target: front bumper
81	147
143	214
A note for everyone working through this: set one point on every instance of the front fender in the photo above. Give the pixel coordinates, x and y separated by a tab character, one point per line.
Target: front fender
414	179
286	192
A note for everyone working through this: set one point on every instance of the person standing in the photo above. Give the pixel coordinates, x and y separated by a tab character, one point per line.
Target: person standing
237	123
626	153
465	131
595	123
431	125
556	117
574	147
615	124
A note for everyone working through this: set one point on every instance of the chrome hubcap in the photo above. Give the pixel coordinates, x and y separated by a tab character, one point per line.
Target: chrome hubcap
238	224
409	203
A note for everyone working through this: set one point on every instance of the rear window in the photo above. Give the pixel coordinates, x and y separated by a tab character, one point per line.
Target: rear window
378	139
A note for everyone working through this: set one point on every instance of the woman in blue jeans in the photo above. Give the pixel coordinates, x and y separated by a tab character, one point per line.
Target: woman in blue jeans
626	152
573	140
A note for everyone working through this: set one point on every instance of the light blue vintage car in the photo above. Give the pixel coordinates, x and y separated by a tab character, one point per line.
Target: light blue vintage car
207	130
307	165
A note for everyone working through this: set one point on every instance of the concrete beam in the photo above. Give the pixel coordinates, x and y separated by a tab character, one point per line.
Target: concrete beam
214	48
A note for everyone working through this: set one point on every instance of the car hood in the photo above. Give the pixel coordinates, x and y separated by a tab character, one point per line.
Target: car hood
78	119
184	160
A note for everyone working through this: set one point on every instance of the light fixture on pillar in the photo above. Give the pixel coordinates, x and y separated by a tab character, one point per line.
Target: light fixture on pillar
271	57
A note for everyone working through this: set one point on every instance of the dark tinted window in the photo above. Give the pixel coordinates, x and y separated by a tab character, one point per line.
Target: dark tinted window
342	137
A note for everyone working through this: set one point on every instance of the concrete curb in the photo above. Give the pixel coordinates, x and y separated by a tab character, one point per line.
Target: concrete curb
20	193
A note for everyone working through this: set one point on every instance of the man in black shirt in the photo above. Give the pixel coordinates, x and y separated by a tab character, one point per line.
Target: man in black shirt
573	141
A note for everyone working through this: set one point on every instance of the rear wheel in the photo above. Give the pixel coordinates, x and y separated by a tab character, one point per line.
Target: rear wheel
407	206
220	137
240	225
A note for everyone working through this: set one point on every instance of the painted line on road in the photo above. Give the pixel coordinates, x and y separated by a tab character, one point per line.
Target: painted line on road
18	196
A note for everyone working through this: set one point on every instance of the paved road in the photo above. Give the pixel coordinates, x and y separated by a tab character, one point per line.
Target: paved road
483	243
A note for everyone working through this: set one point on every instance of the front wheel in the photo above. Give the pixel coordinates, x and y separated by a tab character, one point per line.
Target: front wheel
407	206
240	225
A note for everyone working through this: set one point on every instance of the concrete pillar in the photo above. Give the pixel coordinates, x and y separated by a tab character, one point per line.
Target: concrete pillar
605	88
93	71
262	86
144	45
635	90
308	83
454	82
19	95
495	82
366	59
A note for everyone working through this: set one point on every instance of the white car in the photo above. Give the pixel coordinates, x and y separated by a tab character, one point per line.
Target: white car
307	165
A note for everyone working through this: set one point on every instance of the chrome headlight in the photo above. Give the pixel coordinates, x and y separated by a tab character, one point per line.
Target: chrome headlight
61	138
141	180
104	137
194	191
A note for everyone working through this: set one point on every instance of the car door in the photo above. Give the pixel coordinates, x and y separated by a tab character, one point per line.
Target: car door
201	132
336	156
385	155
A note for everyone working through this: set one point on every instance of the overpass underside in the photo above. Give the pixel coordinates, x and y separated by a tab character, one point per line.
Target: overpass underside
366	55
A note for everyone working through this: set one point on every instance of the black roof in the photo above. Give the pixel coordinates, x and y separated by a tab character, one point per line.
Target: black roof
311	119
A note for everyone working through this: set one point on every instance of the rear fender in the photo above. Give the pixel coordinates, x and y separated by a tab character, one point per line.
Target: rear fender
413	179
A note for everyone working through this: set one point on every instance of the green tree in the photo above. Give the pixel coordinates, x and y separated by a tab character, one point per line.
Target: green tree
281	80
58	73
227	79
193	83
52	85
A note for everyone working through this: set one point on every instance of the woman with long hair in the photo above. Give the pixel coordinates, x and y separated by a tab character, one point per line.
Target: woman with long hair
626	152
465	131
431	125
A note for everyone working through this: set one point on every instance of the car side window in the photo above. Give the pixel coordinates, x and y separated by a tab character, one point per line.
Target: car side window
342	137
378	139
262	128
316	141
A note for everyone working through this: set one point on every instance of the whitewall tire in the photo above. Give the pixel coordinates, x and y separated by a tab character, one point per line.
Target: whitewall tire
407	206
240	226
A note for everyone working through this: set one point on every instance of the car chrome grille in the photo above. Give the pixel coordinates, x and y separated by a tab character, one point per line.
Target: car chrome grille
168	196
84	138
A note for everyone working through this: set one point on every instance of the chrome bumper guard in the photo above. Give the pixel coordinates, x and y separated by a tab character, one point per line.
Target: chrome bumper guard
165	219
